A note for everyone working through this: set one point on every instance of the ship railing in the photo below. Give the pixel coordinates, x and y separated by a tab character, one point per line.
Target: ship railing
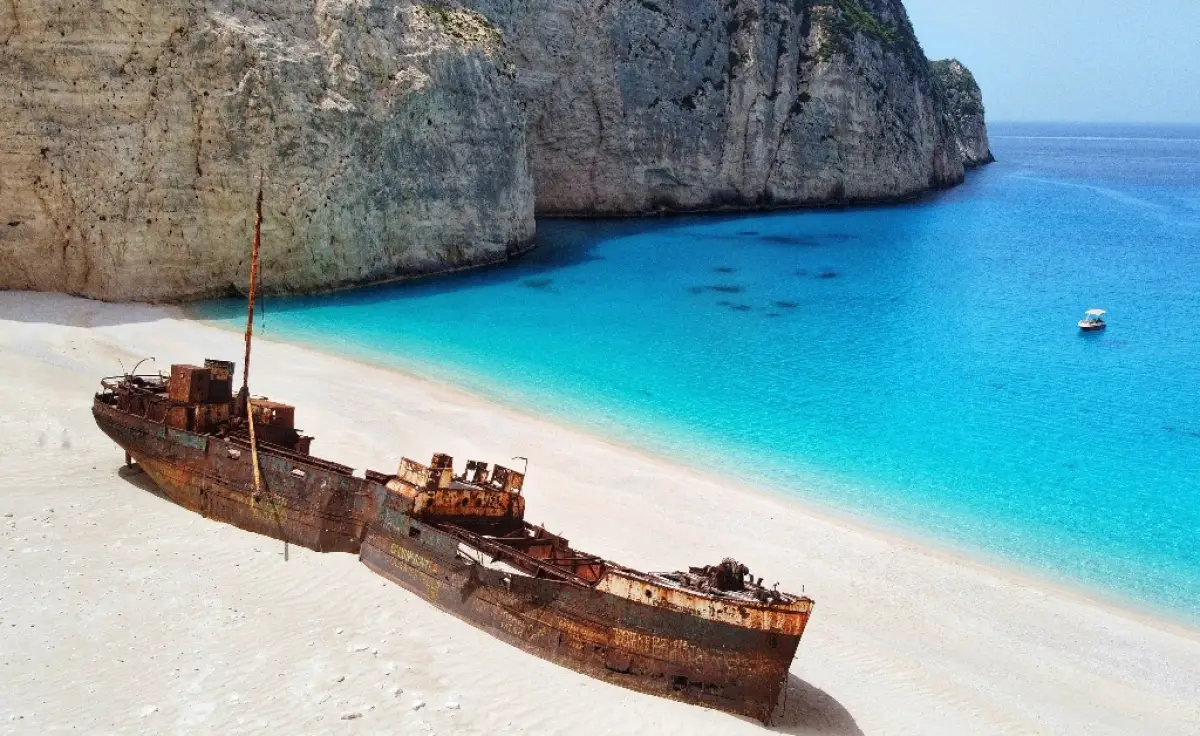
504	552
154	383
243	441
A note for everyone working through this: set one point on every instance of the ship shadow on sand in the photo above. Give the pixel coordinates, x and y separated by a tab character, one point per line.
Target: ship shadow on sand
807	709
137	478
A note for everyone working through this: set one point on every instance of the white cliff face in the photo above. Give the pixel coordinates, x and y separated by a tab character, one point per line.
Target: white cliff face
401	139
649	105
964	109
135	130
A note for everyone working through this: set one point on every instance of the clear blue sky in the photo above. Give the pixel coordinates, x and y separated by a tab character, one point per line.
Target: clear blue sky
1072	60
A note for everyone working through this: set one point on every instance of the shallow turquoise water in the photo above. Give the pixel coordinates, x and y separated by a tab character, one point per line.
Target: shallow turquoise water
918	365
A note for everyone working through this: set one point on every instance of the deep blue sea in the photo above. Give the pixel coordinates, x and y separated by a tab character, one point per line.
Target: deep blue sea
917	366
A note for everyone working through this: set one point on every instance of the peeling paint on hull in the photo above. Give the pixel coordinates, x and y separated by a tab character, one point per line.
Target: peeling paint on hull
633	645
638	631
323	511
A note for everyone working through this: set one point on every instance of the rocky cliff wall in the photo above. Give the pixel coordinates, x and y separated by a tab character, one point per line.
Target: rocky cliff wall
964	106
401	139
134	131
648	105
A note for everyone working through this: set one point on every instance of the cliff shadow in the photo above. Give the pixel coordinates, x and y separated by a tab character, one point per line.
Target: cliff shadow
40	307
561	244
806	709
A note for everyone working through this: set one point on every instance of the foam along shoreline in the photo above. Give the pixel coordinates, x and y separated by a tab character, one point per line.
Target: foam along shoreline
123	611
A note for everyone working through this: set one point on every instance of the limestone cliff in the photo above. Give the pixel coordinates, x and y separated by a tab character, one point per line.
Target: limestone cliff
401	139
134	131
648	105
964	106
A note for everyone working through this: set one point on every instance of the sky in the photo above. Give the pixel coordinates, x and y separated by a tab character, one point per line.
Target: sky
1072	60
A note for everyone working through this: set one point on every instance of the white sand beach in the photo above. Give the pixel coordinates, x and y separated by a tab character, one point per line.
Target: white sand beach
120	612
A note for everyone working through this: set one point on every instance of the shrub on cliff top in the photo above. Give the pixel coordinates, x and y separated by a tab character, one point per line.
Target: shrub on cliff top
846	18
958	86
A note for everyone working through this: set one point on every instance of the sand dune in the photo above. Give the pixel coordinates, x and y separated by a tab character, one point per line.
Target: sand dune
120	612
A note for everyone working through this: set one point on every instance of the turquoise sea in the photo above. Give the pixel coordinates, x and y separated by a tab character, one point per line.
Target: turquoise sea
917	366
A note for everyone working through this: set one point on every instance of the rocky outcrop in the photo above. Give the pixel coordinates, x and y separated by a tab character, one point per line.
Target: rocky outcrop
963	101
134	132
400	139
648	105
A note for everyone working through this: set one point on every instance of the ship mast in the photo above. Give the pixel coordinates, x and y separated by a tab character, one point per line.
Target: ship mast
245	393
245	401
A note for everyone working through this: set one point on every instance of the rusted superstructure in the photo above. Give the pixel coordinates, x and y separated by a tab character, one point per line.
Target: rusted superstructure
712	636
199	453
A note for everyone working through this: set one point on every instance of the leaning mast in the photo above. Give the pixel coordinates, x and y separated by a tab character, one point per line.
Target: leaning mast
245	393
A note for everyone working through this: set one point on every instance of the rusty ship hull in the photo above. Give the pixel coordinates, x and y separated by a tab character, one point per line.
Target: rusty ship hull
711	636
310	502
635	641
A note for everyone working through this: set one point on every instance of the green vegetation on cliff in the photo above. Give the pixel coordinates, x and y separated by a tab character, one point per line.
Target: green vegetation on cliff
958	87
844	19
467	26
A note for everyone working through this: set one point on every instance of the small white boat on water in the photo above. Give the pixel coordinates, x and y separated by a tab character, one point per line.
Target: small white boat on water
1093	321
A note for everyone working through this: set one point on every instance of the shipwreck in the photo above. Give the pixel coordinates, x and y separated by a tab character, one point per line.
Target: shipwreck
712	635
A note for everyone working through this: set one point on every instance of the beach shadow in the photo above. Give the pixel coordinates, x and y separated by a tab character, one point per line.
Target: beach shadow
39	307
137	478
561	245
806	709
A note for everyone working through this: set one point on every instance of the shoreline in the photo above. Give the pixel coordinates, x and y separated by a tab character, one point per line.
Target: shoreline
517	250
1029	576
122	611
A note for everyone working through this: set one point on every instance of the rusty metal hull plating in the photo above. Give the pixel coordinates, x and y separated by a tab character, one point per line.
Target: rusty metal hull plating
635	645
308	504
706	659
